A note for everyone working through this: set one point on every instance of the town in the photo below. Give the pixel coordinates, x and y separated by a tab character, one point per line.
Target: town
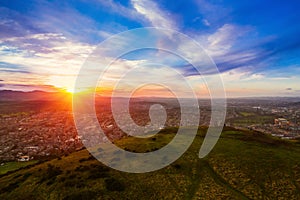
277	117
51	132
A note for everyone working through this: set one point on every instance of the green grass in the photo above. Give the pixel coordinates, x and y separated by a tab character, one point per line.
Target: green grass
12	166
252	118
243	165
246	114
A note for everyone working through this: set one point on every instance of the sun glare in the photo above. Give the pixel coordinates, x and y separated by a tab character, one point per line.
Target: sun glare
70	90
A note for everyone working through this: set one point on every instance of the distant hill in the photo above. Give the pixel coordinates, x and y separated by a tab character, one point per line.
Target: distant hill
18	101
10	95
243	165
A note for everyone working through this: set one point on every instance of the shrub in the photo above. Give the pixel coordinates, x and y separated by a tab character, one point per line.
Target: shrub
26	175
82	168
74	183
87	159
50	174
17	176
98	171
10	187
62	179
72	176
177	166
88	195
53	171
113	184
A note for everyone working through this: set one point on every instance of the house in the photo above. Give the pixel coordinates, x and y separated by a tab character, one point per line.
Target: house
281	122
23	159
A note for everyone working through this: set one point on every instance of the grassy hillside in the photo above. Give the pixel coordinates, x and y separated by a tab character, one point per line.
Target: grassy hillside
243	165
12	166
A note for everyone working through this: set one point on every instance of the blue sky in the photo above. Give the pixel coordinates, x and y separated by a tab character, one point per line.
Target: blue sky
255	44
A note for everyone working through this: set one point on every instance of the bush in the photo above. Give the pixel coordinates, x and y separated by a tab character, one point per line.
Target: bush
177	166
26	175
62	179
113	184
17	176
98	174
74	183
72	176
154	149
87	159
83	195
51	172
98	171
82	168
50	182
10	187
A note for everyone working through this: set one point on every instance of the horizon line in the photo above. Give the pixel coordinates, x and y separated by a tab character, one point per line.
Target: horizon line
136	97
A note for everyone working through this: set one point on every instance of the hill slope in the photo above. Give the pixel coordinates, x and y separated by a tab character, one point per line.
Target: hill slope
243	165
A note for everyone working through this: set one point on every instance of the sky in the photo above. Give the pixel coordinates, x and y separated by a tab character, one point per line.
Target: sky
255	45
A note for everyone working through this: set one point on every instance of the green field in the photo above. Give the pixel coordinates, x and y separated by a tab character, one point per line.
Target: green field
243	165
12	166
249	118
246	114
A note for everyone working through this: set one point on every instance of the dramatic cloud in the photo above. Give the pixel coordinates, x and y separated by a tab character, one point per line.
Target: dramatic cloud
44	56
46	42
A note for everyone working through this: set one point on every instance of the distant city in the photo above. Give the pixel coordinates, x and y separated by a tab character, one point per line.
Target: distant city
49	131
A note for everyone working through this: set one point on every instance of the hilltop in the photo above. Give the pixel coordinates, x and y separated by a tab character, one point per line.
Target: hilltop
243	165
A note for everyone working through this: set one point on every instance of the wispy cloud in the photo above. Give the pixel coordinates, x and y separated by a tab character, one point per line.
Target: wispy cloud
224	39
119	9
205	22
154	14
214	13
